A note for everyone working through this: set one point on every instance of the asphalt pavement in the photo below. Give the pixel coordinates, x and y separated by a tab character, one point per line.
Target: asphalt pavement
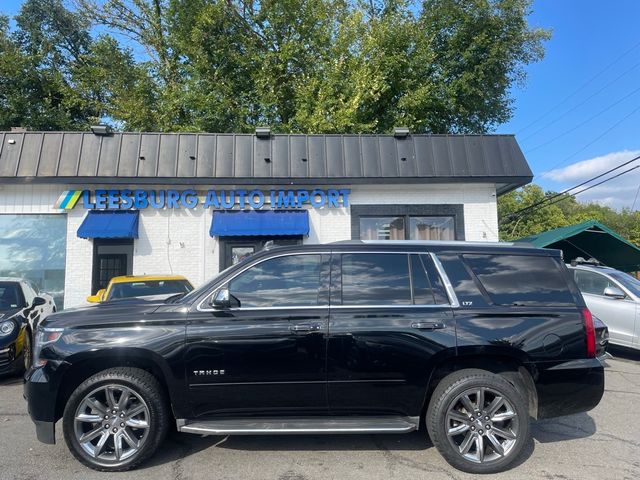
601	444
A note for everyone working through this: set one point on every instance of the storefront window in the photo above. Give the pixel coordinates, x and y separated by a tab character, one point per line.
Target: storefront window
33	247
382	228
419	228
431	228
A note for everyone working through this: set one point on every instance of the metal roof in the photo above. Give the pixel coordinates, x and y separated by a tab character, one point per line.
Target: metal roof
227	158
590	239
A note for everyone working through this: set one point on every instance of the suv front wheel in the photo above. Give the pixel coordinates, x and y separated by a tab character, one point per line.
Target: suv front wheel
116	419
478	421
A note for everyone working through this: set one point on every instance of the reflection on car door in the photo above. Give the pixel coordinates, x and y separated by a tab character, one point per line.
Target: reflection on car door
389	318
268	355
618	314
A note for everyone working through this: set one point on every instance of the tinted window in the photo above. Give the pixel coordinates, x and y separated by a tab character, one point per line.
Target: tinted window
375	279
521	279
282	281
10	296
590	282
148	288
422	292
463	284
439	292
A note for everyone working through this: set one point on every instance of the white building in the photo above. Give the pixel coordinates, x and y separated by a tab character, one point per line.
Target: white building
78	208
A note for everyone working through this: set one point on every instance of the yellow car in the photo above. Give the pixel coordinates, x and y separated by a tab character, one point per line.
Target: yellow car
129	286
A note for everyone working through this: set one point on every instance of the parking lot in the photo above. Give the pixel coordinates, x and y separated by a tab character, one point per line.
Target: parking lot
603	443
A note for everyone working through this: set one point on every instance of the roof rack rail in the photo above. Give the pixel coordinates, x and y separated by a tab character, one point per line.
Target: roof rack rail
581	261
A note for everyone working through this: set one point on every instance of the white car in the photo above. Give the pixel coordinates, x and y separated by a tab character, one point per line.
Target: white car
614	297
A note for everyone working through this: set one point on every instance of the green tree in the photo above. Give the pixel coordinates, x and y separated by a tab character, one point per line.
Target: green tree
565	210
325	65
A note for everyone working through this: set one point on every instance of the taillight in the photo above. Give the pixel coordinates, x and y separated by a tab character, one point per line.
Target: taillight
590	331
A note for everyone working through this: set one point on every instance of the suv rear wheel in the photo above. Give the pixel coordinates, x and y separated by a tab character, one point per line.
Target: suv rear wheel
478	421
116	419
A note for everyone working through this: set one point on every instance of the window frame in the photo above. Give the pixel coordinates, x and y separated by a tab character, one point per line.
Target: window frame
427	210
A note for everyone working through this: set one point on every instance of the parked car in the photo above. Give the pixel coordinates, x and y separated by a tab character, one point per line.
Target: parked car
22	308
612	296
355	337
128	286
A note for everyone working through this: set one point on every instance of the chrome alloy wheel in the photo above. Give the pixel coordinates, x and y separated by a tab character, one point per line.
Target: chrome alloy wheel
111	423
482	425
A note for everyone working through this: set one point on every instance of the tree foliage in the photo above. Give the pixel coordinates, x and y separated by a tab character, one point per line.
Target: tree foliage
441	66
567	211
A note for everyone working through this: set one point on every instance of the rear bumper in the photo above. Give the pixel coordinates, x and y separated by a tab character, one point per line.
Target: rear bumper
569	387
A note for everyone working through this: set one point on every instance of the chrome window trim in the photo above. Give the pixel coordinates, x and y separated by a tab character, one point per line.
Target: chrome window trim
453	299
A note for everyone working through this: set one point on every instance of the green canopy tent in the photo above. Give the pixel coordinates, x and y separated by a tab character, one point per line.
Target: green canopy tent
590	239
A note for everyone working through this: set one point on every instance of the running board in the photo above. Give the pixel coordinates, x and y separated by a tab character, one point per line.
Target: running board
300	425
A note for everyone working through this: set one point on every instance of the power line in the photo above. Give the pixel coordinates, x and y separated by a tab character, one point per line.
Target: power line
565	192
591	186
579	89
557	137
594	140
574	108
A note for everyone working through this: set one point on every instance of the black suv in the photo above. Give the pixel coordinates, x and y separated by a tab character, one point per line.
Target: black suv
467	339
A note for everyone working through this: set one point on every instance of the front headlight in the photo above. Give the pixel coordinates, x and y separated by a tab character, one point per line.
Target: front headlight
45	336
7	327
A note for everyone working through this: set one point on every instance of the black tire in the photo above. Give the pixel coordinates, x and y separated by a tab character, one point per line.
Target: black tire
152	396
449	395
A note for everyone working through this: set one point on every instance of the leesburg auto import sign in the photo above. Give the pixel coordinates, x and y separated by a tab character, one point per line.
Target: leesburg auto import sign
218	199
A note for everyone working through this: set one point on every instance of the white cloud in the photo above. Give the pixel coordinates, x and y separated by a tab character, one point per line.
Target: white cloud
617	193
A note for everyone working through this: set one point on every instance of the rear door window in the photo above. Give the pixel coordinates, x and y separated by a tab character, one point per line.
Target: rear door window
375	279
521	279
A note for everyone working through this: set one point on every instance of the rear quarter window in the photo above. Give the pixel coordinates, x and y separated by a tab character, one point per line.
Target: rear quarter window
521	279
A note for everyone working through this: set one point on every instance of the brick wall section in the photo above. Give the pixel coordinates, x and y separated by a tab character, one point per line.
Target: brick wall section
178	241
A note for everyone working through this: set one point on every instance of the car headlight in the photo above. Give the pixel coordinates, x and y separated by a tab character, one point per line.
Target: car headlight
7	327
45	336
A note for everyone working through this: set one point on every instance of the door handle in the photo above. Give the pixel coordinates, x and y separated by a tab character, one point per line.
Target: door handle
428	325
305	327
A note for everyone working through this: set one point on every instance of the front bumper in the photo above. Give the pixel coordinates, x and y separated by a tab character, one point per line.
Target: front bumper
10	358
569	387
41	392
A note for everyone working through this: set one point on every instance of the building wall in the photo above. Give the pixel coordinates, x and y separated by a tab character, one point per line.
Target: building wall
178	241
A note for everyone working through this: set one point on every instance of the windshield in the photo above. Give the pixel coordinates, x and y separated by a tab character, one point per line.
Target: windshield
146	288
10	296
631	283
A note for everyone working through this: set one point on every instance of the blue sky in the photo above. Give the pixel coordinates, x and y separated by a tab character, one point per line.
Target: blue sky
578	112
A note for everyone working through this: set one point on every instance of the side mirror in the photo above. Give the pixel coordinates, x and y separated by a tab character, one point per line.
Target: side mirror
222	299
97	298
614	292
37	301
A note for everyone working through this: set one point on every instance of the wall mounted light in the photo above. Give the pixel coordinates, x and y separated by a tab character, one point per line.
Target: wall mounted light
101	130
400	132
263	132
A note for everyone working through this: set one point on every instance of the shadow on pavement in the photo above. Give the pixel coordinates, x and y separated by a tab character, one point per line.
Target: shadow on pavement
7	380
560	429
178	445
623	353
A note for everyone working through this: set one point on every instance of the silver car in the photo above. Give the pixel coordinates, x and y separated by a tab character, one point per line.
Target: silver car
614	297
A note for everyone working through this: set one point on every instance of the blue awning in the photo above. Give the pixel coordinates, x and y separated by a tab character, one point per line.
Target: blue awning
259	222
110	224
